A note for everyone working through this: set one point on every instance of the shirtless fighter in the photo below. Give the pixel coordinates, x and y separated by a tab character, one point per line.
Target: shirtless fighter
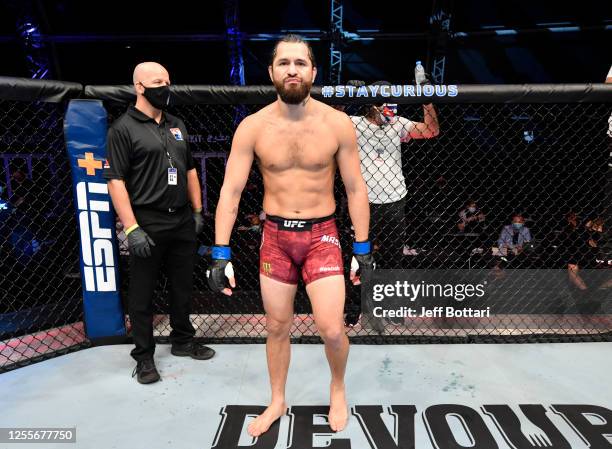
297	142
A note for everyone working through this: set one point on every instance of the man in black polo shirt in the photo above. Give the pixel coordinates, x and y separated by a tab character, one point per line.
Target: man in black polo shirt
154	187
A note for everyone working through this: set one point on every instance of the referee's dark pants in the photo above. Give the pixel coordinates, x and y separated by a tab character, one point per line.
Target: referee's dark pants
174	251
388	228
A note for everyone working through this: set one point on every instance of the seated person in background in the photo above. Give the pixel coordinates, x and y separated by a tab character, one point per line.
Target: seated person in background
574	249
570	234
582	254
513	237
21	186
471	218
255	222
571	221
595	230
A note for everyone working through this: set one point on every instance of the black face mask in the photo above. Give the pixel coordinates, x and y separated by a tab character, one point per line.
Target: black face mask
159	97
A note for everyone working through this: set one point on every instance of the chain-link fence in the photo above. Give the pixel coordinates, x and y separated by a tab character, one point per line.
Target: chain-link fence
439	200
40	287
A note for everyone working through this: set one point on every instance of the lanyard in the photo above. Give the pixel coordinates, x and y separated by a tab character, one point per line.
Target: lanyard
169	159
164	142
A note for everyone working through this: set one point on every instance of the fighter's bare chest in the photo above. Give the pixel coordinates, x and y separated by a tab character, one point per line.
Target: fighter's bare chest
309	147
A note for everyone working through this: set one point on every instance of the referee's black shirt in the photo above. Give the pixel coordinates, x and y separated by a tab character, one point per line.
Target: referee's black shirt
140	151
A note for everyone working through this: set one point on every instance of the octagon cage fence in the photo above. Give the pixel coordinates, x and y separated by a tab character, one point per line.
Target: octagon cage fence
540	151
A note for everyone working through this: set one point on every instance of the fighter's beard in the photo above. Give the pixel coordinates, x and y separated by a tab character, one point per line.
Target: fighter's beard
293	95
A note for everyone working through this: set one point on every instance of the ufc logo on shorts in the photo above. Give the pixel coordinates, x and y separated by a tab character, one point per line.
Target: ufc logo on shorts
96	241
294	224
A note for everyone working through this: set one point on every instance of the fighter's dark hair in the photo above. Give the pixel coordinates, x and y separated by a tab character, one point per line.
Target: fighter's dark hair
293	39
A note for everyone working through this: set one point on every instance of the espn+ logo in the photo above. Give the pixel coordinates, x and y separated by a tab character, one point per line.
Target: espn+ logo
96	241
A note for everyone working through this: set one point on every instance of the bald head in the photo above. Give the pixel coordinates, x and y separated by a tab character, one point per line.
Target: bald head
150	73
151	77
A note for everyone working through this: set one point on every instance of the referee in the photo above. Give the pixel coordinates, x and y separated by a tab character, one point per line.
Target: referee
155	191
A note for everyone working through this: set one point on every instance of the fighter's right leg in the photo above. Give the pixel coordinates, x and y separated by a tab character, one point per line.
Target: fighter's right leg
278	304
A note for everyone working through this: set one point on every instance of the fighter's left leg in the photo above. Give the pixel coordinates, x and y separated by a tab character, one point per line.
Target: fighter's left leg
327	299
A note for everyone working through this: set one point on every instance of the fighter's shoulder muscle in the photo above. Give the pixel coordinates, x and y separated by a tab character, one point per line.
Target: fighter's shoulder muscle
246	132
252	123
339	121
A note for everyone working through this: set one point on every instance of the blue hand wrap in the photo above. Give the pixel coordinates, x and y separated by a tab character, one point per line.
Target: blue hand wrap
221	252
361	248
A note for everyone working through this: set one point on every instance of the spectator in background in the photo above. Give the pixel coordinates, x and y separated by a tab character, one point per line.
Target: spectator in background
595	231
21	186
572	244
255	223
514	236
254	226
571	238
582	245
471	218
571	222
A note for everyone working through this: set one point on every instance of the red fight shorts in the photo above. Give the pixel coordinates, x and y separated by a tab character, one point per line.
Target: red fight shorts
291	244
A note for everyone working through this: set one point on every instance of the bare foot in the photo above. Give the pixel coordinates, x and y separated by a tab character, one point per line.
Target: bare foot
338	409
262	423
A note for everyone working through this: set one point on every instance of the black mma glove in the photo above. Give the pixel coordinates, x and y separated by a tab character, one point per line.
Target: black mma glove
362	261
220	273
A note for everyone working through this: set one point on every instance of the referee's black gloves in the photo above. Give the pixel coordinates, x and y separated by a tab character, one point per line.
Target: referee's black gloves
139	242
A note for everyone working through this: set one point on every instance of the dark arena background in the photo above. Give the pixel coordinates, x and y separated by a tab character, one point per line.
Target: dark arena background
520	92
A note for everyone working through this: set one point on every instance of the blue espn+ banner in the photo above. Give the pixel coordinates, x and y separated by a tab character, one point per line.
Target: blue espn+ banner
85	126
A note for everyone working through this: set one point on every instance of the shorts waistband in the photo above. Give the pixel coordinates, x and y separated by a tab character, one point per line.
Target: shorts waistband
310	221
